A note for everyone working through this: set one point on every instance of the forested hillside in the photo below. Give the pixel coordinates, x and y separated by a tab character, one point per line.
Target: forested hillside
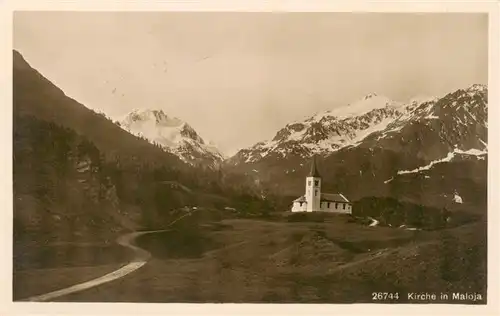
79	176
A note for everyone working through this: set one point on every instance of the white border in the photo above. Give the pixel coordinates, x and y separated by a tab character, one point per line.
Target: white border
7	307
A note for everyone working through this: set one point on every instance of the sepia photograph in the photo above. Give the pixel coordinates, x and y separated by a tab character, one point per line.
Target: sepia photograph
250	157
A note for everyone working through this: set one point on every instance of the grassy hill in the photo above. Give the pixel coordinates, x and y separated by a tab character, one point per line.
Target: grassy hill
209	259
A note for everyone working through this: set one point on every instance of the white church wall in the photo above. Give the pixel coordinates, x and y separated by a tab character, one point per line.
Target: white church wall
336	207
313	193
297	207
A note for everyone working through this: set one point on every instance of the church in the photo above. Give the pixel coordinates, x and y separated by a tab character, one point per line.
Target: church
315	201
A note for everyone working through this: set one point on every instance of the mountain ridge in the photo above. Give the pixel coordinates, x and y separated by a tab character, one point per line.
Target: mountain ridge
49	103
331	130
173	135
79	176
444	140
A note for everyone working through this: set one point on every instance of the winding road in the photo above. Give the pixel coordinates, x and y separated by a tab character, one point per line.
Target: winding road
140	259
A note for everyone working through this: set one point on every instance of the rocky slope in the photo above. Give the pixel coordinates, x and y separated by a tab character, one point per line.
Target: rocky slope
62	188
326	132
173	135
432	129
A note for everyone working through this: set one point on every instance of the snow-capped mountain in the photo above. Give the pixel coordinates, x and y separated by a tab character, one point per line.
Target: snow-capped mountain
173	135
329	131
459	119
432	129
423	150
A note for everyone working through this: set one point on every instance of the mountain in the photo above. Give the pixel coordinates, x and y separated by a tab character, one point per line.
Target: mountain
327	132
34	95
78	176
432	129
426	151
373	120
173	135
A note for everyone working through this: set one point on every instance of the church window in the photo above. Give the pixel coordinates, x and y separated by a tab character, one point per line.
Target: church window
316	182
309	183
315	192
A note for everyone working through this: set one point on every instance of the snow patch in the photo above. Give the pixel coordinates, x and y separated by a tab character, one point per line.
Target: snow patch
423	99
472	152
297	135
363	106
485	144
429	166
335	143
449	157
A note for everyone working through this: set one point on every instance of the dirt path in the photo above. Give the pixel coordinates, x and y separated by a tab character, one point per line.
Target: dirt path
141	258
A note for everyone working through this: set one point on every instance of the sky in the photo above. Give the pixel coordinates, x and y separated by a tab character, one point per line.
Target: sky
237	78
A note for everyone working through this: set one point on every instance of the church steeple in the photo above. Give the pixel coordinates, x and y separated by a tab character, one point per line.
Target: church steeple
314	170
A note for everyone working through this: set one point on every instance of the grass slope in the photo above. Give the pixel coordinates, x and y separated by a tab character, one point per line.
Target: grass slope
337	261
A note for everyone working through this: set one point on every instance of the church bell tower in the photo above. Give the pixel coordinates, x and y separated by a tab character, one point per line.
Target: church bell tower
313	188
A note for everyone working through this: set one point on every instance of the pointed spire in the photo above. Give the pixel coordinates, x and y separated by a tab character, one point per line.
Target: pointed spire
314	170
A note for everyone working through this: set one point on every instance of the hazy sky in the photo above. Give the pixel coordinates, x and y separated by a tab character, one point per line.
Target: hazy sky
239	77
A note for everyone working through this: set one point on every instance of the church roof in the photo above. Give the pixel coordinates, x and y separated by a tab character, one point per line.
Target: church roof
300	199
326	197
333	197
314	169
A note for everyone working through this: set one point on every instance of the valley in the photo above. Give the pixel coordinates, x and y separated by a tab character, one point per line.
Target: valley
416	174
316	260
